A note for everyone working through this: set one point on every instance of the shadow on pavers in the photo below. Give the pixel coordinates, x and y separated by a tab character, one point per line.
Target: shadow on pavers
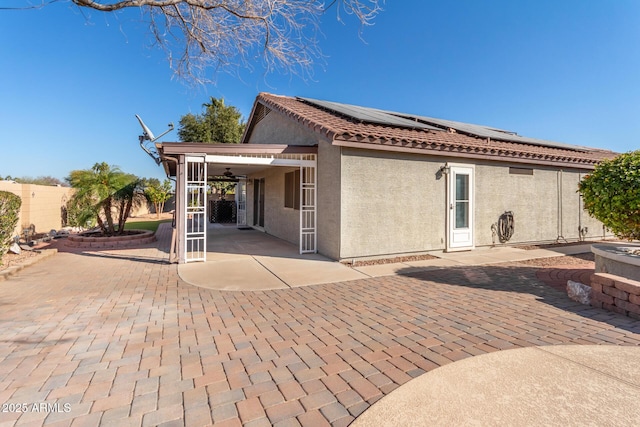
519	279
134	258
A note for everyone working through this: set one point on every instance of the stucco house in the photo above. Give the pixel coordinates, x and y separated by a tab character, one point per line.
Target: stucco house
353	182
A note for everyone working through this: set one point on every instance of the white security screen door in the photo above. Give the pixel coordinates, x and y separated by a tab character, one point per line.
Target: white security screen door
196	210
308	219
241	211
460	207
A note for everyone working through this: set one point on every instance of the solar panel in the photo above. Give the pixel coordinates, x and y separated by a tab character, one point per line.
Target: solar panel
390	118
497	134
369	115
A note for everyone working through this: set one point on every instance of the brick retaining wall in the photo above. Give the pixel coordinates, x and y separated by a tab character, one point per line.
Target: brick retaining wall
616	293
80	241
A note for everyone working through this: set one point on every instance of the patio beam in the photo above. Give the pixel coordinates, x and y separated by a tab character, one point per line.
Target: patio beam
261	161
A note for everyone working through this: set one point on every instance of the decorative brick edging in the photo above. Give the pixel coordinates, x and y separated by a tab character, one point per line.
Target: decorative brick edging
616	293
44	253
79	241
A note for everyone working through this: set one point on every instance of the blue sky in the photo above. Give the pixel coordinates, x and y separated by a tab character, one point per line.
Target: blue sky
562	70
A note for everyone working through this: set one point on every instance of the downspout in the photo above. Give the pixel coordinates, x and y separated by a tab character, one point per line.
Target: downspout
559	181
582	231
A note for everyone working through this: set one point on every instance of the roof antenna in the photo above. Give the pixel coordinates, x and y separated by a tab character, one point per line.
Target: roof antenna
147	139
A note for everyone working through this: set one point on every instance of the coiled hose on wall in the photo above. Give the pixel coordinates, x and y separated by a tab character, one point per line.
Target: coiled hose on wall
505	227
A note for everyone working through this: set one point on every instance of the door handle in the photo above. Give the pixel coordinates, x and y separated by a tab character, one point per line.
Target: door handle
451	206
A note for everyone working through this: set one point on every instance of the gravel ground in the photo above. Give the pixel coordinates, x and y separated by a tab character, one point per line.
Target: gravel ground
579	259
10	260
388	260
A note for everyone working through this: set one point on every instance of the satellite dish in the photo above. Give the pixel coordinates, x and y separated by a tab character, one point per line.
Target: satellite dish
147	135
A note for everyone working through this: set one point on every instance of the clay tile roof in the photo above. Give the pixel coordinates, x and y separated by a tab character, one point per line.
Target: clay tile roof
342	129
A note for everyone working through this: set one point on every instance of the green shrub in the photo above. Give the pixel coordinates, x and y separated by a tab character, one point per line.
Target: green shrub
611	194
9	212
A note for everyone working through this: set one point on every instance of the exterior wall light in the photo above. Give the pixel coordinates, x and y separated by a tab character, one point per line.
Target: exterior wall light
445	169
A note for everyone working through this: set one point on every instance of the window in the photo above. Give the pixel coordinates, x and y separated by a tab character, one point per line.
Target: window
520	171
292	189
462	201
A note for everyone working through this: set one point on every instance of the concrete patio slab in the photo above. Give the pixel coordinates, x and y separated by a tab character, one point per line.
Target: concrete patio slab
555	385
434	263
251	260
621	363
237	274
309	271
499	254
248	259
476	257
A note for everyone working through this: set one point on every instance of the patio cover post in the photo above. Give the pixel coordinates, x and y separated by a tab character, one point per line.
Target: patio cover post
195	206
181	208
308	203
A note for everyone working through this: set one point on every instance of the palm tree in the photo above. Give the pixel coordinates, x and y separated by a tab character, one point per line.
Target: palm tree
130	196
100	185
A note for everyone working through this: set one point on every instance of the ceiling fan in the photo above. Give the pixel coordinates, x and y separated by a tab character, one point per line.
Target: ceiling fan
228	173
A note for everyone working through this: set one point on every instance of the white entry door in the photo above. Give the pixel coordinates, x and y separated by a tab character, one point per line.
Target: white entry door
460	208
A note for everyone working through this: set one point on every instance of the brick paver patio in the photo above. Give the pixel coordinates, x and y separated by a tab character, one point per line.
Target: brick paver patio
115	338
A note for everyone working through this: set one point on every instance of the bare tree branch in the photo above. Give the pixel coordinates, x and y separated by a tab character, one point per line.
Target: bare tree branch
280	35
32	6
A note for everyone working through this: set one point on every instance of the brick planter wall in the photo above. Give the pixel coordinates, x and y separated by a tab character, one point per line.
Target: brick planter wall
79	241
616	293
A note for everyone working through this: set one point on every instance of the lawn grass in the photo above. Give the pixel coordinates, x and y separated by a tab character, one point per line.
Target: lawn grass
144	225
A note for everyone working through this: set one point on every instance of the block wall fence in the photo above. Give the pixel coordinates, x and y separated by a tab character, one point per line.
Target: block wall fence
42	205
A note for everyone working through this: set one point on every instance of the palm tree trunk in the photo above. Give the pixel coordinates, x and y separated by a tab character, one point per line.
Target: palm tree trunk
101	224
107	212
127	211
121	216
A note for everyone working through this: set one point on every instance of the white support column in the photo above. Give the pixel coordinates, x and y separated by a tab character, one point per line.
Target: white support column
195	200
308	214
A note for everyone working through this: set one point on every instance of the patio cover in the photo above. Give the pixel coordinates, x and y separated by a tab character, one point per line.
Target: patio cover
193	163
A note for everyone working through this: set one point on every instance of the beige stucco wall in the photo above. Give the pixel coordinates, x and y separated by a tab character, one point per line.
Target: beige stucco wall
534	201
329	200
278	221
395	203
284	222
391	203
274	128
41	205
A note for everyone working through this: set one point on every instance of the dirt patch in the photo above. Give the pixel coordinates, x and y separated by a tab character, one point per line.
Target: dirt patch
388	260
559	245
578	259
12	260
